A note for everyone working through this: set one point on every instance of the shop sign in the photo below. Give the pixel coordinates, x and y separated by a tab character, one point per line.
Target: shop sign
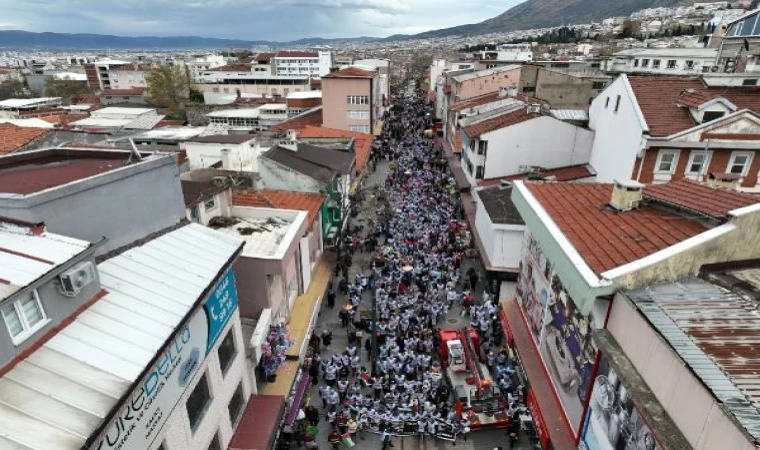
538	420
147	409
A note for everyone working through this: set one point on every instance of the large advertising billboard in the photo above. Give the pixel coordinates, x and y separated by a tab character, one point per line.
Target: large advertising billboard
144	414
612	421
562	333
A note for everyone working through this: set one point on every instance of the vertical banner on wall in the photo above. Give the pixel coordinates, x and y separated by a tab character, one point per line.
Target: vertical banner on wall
145	412
612	421
561	331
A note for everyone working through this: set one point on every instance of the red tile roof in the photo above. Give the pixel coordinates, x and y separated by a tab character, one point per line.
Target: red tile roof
13	137
313	118
362	141
475	101
311	203
350	72
296	54
315	82
707	200
132	91
663	99
606	238
499	122
63	119
264	58
568	173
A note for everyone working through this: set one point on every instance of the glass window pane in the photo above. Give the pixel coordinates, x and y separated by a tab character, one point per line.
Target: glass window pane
235	406
197	402
226	351
12	320
31	310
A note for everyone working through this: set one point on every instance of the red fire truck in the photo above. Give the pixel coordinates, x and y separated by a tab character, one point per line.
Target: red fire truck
471	383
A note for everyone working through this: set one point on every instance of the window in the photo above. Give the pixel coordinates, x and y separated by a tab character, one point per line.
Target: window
482	147
357	115
739	163
209	204
24	316
215	443
749	82
705	68
226	351
709	116
529	89
598	85
359	128
667	161
655	64
617	104
479	170
645	62
671	64
235	407
689	65
197	403
697	162
607	103
357	100
635	63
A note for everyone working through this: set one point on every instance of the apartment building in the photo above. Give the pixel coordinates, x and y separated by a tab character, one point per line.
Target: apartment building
299	63
351	100
739	50
129	76
665	61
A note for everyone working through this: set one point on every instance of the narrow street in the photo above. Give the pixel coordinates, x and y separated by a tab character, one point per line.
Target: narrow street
420	267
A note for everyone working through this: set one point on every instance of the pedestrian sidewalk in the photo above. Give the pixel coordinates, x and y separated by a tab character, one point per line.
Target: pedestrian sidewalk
301	322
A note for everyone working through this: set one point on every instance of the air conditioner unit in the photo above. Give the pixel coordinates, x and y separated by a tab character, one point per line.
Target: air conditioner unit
714	68
73	280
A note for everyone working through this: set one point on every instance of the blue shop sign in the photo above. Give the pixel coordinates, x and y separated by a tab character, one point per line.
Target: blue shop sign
219	307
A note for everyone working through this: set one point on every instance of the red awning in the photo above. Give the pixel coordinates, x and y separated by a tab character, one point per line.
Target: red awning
257	428
553	419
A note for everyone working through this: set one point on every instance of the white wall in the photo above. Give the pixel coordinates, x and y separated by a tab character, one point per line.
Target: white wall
222	205
177	434
691	406
204	155
626	65
275	176
618	135
503	243
544	142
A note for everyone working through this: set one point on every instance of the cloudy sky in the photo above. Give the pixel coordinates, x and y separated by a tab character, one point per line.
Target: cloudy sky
246	19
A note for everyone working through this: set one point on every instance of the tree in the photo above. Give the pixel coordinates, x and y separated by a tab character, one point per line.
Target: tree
64	88
169	87
630	29
12	89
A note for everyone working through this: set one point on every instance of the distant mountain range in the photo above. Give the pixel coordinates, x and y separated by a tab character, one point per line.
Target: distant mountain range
17	39
547	13
526	15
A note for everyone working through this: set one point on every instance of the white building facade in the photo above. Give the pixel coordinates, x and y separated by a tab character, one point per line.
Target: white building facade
665	61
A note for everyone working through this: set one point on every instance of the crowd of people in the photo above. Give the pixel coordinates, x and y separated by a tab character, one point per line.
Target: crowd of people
418	244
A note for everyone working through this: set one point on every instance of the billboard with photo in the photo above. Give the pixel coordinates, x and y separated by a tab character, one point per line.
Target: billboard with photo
561	332
612	421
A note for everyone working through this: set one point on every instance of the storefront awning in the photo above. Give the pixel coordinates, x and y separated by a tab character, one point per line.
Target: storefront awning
552	418
257	428
295	405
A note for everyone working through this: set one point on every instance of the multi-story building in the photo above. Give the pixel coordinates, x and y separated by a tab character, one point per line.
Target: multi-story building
129	76
99	75
351	100
198	65
657	129
739	50
504	54
664	61
302	64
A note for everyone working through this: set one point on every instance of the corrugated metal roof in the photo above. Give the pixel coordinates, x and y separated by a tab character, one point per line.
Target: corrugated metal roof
569	114
25	257
716	332
61	393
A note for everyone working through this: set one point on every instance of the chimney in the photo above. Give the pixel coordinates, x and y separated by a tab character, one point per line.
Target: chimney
225	153
626	195
724	180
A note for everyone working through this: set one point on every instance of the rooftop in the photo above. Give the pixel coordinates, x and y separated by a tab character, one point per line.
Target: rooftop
714	327
712	202
497	200
476	101
28	252
34	171
117	92
604	237
659	98
499	122
311	117
484	73
362	141
296	54
350	72
13	137
319	163
224	139
171	133
568	173
238	113
62	390
26	102
304	94
268	232
196	192
696	52
311	203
